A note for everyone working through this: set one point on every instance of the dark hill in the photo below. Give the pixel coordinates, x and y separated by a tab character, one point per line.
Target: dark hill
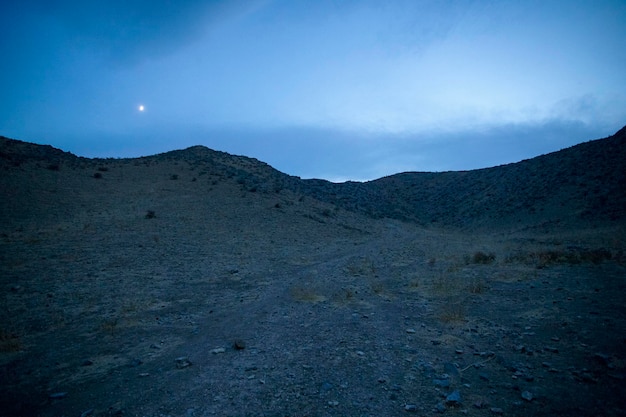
584	185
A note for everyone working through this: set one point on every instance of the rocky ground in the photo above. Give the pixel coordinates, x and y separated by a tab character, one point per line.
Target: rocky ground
155	290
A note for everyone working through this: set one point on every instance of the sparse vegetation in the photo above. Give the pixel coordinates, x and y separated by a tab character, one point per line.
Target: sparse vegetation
109	325
445	283
480	257
9	342
571	256
452	311
306	294
476	286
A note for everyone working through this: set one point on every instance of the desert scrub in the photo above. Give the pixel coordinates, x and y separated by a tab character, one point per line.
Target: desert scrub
109	325
306	294
483	258
361	267
570	256
451	311
476	285
9	342
445	284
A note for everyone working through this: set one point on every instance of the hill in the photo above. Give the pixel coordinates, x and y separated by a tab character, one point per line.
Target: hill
196	283
581	186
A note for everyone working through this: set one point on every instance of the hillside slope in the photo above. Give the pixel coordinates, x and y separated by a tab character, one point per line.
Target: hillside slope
582	186
197	283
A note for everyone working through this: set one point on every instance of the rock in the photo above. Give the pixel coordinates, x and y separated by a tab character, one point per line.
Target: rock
326	386
602	358
333	403
239	344
480	404
410	331
454	398
528	396
57	395
451	370
134	363
440	408
496	410
87	413
483	376
443	383
182	362
86	362
218	350
411	408
551	349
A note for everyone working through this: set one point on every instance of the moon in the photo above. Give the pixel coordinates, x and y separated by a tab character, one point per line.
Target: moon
141	107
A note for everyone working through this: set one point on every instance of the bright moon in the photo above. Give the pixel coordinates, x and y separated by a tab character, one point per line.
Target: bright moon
141	107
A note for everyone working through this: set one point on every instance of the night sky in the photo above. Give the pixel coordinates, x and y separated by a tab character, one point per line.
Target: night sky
319	88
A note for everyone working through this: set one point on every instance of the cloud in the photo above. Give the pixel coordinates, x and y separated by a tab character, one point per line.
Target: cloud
123	31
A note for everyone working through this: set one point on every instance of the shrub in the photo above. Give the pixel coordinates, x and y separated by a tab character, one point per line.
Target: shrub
150	214
9	342
476	286
97	175
452	312
483	258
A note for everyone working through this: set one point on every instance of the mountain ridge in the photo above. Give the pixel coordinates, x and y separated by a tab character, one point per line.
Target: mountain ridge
583	185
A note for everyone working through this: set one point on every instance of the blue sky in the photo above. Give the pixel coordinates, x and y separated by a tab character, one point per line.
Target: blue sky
327	88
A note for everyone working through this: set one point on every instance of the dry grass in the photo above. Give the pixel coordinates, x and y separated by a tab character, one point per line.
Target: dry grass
109	325
452	311
570	256
361	267
445	284
306	294
476	286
